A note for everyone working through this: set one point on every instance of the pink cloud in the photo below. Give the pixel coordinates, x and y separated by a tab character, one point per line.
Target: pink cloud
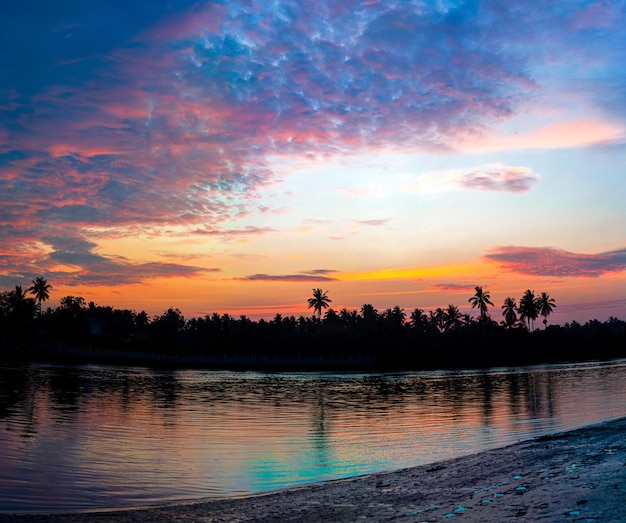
563	134
375	222
499	178
492	177
601	14
198	19
69	258
547	261
233	233
170	121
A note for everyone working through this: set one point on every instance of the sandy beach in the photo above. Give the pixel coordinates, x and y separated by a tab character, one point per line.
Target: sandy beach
572	476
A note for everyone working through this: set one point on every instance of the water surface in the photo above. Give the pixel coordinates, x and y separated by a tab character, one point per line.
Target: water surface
94	437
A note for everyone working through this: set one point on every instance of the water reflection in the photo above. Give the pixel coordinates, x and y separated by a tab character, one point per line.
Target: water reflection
98	437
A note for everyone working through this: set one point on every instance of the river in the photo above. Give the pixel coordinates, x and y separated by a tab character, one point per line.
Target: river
101	437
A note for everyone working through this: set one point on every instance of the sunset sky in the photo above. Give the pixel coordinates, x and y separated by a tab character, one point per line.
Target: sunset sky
231	156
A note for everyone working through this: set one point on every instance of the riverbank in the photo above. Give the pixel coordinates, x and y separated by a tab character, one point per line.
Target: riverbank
89	355
573	476
71	355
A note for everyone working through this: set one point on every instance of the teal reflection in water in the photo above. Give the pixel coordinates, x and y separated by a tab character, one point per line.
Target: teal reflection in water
77	438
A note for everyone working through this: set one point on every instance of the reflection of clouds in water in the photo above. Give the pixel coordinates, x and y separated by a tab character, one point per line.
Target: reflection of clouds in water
141	435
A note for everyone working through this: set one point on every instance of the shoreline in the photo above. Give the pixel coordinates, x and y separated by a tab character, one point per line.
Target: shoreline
341	363
578	475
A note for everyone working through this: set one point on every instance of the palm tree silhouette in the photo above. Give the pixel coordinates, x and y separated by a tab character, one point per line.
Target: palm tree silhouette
319	301
17	297
398	316
545	306
368	313
20	306
419	320
452	318
482	301
331	317
509	311
437	318
528	309
349	317
40	289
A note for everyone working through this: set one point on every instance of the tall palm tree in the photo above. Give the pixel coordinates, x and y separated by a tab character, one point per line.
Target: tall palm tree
40	289
349	317
452	318
369	313
509	311
419	320
331	317
319	301
437	318
482	301
545	306
17	297
528	309
142	320
398	316
21	307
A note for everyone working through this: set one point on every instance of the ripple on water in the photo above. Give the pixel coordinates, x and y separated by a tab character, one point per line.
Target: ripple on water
76	438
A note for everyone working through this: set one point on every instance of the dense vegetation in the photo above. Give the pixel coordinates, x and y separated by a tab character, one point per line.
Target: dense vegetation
359	339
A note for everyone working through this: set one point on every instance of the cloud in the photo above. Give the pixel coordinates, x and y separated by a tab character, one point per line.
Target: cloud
70	244
81	265
233	233
365	191
453	287
321	271
374	222
316	275
169	121
615	305
547	261
499	177
492	177
580	132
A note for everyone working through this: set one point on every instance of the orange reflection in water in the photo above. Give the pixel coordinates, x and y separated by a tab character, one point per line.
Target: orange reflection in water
110	437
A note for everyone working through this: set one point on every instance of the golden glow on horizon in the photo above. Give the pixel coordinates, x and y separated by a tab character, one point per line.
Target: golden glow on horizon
476	270
422	286
197	297
169	188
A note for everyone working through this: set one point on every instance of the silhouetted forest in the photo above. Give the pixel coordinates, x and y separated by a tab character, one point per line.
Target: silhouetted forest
77	331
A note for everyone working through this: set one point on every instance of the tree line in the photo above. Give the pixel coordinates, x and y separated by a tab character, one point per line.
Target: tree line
444	337
529	309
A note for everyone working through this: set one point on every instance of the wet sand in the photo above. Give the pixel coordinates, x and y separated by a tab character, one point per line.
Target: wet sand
572	476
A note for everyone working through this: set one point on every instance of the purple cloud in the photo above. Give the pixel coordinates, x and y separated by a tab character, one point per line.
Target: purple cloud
454	287
233	233
609	305
315	275
547	261
96	269
151	116
499	178
493	177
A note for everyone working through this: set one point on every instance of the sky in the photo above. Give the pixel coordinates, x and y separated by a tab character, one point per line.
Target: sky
232	156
